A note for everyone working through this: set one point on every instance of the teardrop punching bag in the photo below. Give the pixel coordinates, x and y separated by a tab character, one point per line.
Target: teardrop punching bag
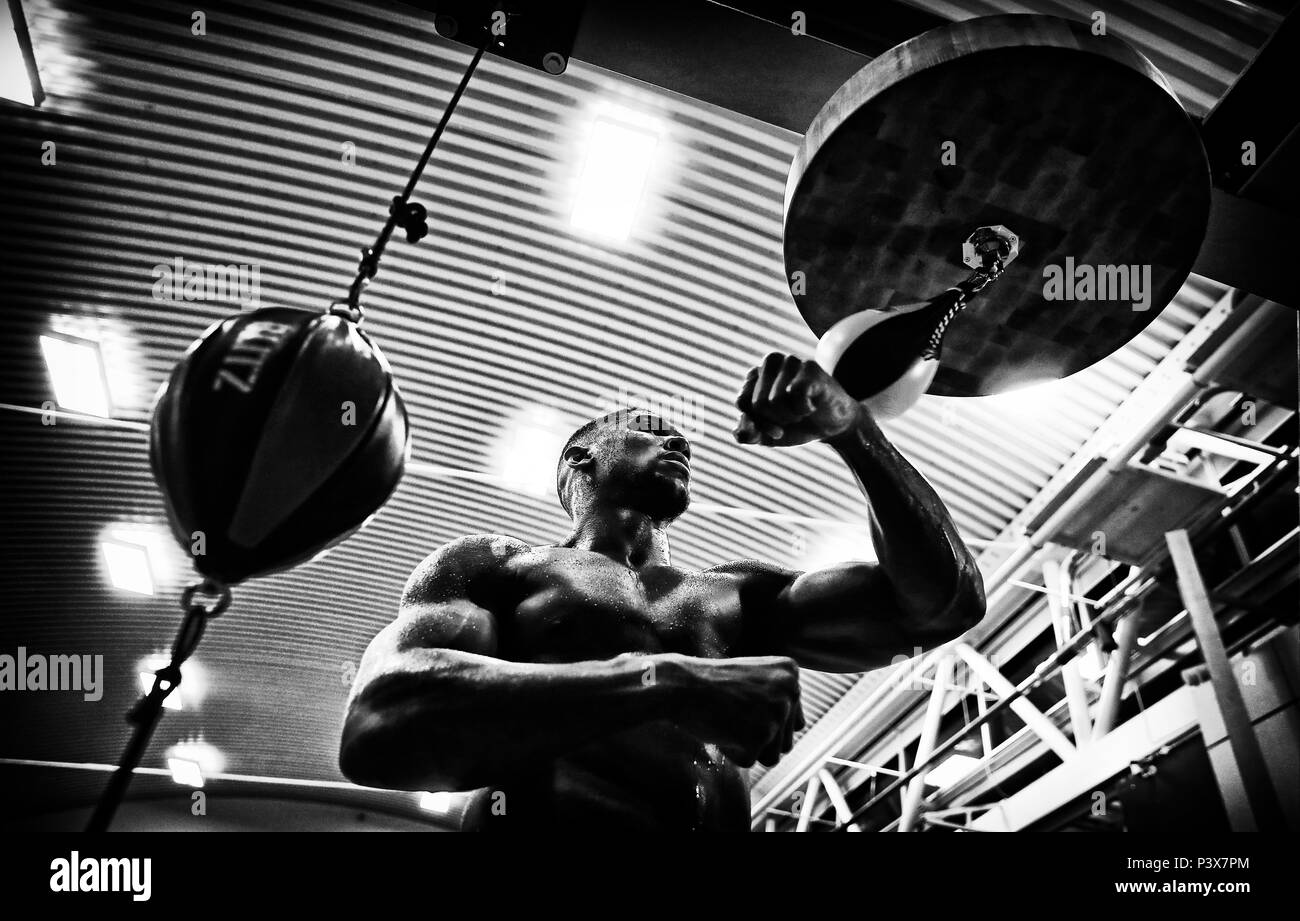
279	434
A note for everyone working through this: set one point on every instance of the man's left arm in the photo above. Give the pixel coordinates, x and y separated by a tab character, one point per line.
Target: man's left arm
925	589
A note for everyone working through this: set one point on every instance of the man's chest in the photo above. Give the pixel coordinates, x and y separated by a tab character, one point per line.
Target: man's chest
575	605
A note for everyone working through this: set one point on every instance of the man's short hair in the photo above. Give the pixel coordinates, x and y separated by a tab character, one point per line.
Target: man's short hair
584	435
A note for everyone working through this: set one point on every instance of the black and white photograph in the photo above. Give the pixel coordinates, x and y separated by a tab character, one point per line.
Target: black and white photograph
604	418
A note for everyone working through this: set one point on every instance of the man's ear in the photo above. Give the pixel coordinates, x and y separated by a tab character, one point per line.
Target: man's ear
577	457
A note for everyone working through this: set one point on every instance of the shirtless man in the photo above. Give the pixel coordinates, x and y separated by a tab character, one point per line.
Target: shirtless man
591	684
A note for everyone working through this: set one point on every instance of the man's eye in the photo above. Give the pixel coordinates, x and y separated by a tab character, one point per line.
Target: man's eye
646	424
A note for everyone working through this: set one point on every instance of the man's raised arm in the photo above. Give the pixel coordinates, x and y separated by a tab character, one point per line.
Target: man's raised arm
926	588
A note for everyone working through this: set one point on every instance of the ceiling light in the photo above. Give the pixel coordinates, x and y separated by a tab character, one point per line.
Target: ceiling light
185	772
827	549
529	450
440	802
128	566
619	156
77	373
155	539
1032	399
950	771
193	759
19	79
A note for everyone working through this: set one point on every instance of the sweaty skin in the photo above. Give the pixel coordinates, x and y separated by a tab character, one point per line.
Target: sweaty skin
590	684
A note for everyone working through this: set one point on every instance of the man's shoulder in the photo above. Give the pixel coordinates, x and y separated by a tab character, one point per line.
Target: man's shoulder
483	547
453	566
752	571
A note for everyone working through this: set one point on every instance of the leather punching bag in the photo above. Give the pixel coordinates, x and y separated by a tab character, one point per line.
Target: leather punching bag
279	433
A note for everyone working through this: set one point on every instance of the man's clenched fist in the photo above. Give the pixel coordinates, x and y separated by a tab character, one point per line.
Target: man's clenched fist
749	706
787	401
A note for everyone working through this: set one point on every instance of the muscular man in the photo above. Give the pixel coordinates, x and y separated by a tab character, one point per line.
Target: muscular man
591	684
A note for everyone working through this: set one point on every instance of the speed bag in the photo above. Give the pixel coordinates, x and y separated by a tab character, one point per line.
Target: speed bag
279	433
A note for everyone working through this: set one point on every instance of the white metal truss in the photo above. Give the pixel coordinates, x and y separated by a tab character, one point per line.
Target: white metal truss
1099	749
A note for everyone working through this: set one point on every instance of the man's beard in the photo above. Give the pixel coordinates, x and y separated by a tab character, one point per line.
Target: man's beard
662	498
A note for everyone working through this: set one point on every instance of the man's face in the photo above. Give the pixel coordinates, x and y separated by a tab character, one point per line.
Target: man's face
644	464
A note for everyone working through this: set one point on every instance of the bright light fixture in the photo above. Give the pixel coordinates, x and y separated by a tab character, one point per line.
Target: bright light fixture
620	154
128	566
841	545
185	772
440	802
950	771
77	372
530	449
17	64
192	759
1031	399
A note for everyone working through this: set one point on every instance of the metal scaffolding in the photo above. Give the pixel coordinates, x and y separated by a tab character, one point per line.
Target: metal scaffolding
1080	729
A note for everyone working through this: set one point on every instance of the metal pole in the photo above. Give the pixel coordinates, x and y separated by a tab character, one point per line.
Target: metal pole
1033	717
902	777
929	736
986	732
1075	695
1112	685
833	792
863	766
810	796
1241	732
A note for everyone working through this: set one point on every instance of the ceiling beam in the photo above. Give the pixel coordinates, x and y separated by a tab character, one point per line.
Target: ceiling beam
1251	246
1254	232
751	57
1257	110
721	56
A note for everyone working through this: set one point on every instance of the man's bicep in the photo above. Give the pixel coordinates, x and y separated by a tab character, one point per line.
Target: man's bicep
843	618
456	624
409	644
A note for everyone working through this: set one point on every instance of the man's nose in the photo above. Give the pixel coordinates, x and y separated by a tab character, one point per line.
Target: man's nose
679	444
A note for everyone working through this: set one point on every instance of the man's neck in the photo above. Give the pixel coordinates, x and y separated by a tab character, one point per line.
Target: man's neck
628	537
